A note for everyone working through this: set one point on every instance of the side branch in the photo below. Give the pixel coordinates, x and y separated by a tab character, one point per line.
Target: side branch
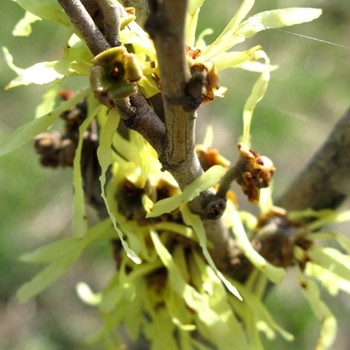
146	122
85	25
137	114
324	183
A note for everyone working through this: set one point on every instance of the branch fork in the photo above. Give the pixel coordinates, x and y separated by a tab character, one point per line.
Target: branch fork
171	130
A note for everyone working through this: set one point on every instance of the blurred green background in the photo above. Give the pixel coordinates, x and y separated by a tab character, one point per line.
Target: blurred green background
306	96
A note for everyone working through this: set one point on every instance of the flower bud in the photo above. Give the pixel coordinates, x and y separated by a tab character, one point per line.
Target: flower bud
114	75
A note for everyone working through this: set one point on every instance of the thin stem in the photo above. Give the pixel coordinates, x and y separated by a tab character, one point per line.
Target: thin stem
146	122
231	175
85	25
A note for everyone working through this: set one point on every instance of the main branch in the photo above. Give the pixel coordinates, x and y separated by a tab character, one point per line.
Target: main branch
324	183
182	95
166	25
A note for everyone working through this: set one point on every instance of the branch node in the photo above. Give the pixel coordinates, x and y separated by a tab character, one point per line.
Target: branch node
82	20
251	171
195	92
215	208
153	23
125	109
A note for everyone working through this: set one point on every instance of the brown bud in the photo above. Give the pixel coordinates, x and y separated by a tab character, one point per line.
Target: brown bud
47	144
256	172
67	152
50	162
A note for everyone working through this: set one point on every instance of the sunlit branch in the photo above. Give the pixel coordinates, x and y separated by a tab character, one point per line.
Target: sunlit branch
85	25
181	95
167	32
111	17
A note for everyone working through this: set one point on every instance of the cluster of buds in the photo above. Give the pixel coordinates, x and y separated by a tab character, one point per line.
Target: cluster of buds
209	157
255	172
59	150
208	72
251	171
130	199
277	236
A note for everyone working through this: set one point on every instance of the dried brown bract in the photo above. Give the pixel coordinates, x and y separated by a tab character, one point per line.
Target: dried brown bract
255	171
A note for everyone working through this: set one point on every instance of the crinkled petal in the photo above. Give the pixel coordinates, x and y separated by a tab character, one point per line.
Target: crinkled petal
104	154
48	100
276	19
79	219
47	276
273	273
257	94
220	46
234	58
40	73
87	295
210	178
196	223
228	38
342	240
47	253
322	312
330	281
148	86
327	258
200	43
256	66
211	286
9	61
258	308
192	20
28	131
24	26
219	330
64	255
48	9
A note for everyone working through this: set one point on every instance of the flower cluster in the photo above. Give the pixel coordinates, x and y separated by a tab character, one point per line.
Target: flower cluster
160	247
